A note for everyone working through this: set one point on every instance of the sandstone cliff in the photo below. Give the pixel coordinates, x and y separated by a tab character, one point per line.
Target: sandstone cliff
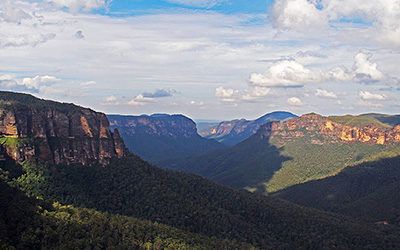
57	133
321	129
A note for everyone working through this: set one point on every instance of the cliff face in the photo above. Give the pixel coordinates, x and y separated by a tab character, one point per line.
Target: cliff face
321	129
50	132
174	126
158	138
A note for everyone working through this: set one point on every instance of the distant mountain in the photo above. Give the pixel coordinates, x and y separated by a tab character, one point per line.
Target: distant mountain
233	132
283	154
369	191
161	137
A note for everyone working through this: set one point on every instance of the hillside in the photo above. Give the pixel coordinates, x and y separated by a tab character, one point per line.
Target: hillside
369	191
296	151
194	206
28	223
162	137
233	132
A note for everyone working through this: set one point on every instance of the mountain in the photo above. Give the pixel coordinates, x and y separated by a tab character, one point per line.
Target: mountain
161	137
283	154
233	132
37	130
128	203
369	191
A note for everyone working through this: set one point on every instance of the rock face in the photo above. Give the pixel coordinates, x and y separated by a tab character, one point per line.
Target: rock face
322	129
50	132
160	137
233	132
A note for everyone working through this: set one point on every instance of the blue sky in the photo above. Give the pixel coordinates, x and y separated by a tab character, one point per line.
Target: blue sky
128	7
208	59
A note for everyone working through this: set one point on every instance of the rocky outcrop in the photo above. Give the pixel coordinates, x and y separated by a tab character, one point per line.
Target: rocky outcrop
49	132
321	129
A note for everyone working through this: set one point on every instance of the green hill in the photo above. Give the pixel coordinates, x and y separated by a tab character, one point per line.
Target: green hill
129	193
263	164
369	191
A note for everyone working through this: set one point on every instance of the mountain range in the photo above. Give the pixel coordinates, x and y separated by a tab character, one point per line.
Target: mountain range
233	132
162	137
282	154
67	181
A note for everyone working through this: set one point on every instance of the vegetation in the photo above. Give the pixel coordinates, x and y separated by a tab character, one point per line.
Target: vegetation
263	165
27	223
197	212
378	120
369	191
19	100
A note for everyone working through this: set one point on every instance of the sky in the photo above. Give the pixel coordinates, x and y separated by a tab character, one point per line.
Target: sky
207	59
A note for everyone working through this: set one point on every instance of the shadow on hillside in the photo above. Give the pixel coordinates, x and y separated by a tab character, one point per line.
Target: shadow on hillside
368	191
249	164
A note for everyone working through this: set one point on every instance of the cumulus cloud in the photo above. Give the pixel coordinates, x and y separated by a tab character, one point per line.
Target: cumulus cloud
367	96
325	93
9	13
255	93
294	101
140	100
85	5
291	73
365	70
29	84
111	100
285	74
382	15
296	14
25	40
159	93
226	94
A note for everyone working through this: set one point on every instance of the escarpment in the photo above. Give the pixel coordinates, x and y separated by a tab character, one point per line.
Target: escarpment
57	133
320	129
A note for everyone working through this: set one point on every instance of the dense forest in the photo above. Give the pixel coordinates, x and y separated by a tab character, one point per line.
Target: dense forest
369	191
130	193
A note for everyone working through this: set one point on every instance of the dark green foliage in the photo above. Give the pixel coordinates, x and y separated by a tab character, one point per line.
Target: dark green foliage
28	223
370	191
18	100
131	187
260	164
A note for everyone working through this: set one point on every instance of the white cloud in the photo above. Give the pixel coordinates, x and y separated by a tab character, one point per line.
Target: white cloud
294	101
227	95
296	14
290	73
380	16
25	40
286	74
365	70
365	95
8	13
197	103
37	81
255	93
325	93
140	100
85	5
